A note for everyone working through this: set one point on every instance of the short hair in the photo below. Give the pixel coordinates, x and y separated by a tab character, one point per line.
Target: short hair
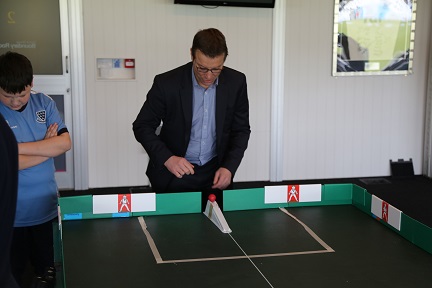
211	42
16	72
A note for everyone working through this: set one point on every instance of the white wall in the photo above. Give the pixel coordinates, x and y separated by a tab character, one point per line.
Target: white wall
158	34
333	127
348	126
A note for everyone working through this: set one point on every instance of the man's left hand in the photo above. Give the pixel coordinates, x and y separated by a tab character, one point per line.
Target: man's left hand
222	179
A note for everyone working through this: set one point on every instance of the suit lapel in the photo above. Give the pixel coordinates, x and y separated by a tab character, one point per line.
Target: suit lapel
186	95
221	103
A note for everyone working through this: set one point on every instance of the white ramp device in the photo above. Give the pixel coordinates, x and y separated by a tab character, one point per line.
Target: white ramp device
214	213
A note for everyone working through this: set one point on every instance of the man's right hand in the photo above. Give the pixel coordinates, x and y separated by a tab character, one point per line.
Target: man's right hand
179	166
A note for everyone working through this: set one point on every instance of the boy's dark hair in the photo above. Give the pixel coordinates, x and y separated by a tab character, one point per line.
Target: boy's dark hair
211	42
16	72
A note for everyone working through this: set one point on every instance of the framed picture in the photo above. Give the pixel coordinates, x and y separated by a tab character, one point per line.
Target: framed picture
373	37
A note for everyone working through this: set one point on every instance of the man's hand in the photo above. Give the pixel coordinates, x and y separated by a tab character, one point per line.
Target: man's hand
222	179
179	166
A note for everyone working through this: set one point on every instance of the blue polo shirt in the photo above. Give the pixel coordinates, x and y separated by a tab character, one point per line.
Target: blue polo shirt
37	187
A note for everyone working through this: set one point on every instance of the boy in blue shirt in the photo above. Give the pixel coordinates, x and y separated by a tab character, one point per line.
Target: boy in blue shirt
41	135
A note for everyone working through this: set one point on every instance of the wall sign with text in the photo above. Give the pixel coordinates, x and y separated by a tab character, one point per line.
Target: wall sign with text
33	29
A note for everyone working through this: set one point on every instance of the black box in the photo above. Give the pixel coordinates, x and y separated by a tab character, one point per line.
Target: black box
402	168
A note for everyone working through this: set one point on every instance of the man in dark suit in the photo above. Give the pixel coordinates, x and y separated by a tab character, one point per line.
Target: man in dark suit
203	110
8	197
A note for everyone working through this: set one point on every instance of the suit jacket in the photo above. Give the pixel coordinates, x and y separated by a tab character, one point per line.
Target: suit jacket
8	197
170	101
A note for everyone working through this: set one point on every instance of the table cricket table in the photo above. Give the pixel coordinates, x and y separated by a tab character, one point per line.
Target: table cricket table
294	246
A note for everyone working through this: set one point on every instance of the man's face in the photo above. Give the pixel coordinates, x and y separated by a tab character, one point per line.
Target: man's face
15	101
207	69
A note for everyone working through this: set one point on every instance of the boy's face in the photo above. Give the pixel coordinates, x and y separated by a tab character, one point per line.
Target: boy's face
15	101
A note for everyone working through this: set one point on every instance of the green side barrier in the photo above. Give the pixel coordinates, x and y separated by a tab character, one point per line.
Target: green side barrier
361	199
81	207
416	232
76	207
337	194
412	230
249	199
58	254
246	199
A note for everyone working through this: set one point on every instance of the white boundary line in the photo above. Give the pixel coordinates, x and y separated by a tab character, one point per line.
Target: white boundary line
159	259
327	247
250	260
150	240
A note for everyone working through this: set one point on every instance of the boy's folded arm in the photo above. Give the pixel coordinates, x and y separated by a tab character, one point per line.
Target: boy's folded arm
50	147
27	161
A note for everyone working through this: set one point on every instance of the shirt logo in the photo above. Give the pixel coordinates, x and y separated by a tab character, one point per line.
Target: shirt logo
12	127
41	116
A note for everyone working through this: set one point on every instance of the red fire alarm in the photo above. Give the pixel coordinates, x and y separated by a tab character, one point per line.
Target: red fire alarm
129	63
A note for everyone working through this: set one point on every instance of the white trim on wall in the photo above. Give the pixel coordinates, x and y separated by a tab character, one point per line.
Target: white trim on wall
278	74
79	107
427	155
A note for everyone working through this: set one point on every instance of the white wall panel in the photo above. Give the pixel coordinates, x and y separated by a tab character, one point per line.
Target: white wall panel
333	126
348	126
158	34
